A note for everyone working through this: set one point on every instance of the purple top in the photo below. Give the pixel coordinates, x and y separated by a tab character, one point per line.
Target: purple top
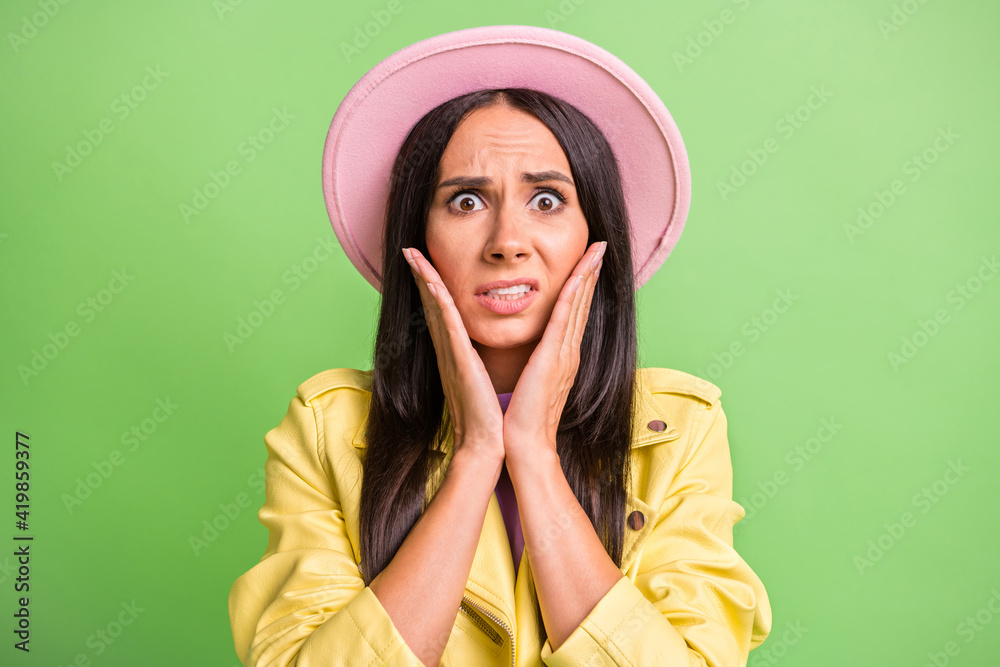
508	503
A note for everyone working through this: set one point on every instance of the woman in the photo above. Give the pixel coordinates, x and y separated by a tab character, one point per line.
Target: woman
504	487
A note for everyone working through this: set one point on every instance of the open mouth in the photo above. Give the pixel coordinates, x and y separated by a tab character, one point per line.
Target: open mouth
510	296
508	293
508	300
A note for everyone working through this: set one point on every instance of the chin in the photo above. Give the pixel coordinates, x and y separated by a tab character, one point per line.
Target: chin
505	337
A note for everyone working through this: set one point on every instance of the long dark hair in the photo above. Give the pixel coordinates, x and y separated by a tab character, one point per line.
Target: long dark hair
405	416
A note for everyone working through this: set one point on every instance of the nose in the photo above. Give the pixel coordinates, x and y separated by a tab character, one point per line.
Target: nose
508	239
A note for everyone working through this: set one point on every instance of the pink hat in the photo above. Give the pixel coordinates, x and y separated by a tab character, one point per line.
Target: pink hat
376	115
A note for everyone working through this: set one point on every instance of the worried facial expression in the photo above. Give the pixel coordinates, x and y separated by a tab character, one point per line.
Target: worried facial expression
505	229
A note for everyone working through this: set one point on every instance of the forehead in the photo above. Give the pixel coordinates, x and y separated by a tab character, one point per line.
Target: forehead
498	137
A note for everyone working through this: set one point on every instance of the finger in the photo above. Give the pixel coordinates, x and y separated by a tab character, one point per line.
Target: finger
443	299
424	266
427	298
566	304
432	315
579	298
583	314
450	324
559	320
430	277
445	355
583	311
443	352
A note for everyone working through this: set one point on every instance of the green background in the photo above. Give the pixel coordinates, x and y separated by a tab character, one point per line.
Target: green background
856	298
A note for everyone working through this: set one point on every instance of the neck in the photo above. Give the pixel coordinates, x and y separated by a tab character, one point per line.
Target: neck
504	365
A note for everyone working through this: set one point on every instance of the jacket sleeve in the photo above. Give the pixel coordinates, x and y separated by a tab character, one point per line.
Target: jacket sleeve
305	602
694	601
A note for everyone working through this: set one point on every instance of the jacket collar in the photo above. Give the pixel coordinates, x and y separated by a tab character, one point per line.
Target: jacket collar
492	583
646	418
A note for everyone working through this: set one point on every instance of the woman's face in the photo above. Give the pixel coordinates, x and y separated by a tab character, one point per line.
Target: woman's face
497	216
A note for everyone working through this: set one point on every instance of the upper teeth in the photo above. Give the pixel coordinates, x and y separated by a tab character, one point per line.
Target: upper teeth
516	289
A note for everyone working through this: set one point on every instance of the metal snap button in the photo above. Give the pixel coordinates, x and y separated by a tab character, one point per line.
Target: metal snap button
636	520
657	425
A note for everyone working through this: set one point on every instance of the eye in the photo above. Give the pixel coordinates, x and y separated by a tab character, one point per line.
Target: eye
466	201
549	200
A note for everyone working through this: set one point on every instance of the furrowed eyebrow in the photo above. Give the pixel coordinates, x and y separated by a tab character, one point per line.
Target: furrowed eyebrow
526	177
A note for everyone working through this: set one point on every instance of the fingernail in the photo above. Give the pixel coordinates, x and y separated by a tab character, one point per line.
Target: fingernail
433	290
595	260
576	283
408	253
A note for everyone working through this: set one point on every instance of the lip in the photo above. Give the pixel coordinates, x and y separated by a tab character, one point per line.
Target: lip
507	306
497	284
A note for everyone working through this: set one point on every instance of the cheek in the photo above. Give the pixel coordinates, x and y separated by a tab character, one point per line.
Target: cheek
449	272
438	251
569	251
452	254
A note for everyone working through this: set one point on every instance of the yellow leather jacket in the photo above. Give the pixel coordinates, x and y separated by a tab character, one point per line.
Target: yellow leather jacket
685	597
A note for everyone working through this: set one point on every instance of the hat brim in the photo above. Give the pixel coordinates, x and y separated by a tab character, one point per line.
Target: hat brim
378	112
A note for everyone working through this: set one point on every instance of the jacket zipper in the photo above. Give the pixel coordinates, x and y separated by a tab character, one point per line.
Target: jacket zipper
490	632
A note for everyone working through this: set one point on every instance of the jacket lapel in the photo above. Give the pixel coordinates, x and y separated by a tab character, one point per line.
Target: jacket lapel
651	426
647	412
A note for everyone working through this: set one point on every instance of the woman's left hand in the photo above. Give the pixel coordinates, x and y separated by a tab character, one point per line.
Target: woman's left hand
532	417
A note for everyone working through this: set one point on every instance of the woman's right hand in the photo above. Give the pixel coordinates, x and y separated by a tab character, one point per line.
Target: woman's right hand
472	403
